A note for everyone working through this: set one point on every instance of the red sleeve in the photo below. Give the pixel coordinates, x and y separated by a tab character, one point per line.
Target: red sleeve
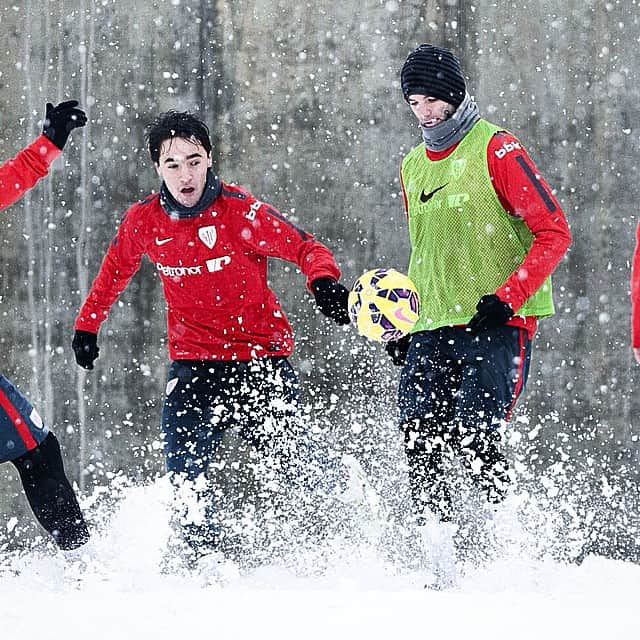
272	235
635	293
20	173
120	262
523	192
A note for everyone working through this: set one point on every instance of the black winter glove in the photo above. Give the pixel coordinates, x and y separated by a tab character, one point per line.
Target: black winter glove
492	312
85	346
398	349
332	299
61	120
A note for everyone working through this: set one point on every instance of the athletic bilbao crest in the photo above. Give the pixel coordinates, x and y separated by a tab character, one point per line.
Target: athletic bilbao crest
458	167
208	235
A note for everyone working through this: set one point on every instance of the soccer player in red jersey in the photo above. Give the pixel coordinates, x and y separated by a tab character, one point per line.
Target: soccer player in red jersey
635	299
228	335
25	440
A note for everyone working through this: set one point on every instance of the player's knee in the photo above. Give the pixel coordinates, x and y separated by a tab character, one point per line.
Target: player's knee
44	460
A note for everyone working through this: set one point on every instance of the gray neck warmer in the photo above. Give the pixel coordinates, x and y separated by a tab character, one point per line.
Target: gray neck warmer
452	130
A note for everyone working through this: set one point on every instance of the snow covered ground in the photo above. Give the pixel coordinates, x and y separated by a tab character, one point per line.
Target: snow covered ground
597	600
358	593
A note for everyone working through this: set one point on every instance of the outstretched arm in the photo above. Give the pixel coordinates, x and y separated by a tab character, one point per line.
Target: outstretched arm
19	174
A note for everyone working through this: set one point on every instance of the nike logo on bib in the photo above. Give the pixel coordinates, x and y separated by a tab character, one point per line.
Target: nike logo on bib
424	197
162	241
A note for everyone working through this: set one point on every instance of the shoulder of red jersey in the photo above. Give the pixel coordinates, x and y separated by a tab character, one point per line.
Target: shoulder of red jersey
503	143
151	198
136	217
234	191
250	208
245	202
143	206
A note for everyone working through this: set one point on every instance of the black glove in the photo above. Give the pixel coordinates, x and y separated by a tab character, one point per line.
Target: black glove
61	120
332	299
85	346
492	312
398	349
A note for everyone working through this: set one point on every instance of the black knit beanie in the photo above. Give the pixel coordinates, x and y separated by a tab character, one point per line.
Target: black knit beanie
435	72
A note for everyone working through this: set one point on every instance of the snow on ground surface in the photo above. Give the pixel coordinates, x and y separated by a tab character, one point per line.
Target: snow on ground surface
120	592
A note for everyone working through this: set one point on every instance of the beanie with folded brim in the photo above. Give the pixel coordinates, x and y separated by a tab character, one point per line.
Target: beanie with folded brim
435	72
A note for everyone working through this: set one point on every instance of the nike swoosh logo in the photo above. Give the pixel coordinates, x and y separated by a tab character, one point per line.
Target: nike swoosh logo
424	197
162	241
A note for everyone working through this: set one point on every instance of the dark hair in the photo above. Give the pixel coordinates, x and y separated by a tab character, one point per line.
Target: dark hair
175	124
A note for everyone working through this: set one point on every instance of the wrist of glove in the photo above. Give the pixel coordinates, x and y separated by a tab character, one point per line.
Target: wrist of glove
61	120
398	349
332	299
85	347
491	312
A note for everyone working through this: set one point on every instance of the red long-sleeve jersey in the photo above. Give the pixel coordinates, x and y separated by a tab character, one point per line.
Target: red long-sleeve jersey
213	269
635	293
524	193
29	165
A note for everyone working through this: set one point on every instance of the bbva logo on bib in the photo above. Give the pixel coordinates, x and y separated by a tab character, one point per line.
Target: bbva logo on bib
208	235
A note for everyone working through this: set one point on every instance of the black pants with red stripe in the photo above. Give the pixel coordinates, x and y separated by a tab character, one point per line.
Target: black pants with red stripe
50	495
456	390
27	443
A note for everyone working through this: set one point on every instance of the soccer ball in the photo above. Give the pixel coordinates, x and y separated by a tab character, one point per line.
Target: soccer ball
383	304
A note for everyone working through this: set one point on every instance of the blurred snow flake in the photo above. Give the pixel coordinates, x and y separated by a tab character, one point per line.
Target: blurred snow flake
616	79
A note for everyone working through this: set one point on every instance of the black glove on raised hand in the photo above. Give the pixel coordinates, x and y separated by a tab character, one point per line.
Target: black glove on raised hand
398	349
85	346
61	120
332	299
492	312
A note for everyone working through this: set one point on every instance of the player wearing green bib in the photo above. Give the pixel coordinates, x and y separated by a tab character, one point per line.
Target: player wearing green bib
486	232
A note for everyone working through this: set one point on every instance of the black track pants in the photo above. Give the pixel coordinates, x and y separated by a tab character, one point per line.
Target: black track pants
50	495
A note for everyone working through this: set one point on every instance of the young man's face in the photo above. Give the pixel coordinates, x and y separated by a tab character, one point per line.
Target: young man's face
430	111
183	168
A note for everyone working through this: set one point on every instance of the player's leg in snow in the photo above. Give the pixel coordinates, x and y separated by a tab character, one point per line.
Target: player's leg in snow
281	453
301	457
438	539
187	437
50	495
27	442
429	482
427	398
496	366
192	518
431	496
357	491
488	464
